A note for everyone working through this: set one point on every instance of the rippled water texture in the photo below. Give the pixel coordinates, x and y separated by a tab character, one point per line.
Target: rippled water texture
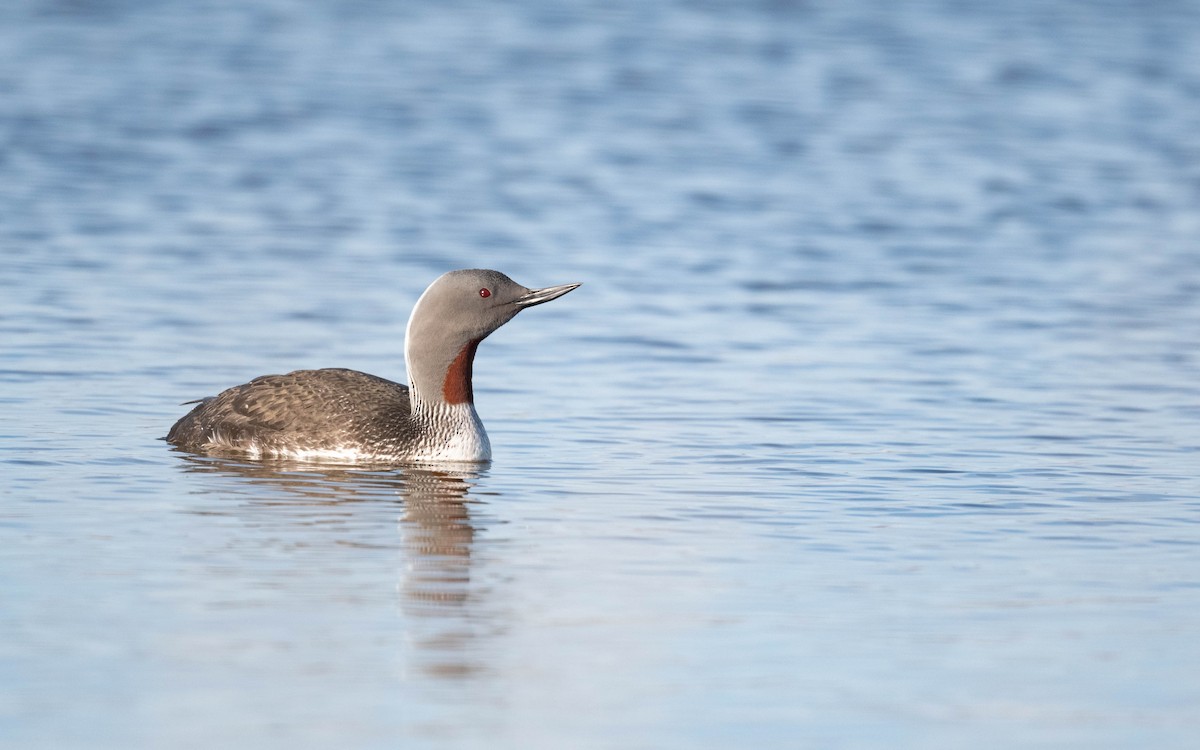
876	422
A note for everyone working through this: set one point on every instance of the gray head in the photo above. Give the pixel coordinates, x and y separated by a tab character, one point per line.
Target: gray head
456	312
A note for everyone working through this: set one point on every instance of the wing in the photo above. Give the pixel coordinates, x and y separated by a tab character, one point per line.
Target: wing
304	405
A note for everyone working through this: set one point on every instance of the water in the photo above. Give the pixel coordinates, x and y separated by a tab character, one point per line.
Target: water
876	422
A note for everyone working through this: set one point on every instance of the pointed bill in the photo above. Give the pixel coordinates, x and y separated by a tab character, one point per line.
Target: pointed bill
538	296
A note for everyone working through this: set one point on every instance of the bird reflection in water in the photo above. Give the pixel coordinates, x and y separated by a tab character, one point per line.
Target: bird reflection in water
440	608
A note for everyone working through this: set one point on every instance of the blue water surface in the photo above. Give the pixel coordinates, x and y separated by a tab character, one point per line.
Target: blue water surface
876	423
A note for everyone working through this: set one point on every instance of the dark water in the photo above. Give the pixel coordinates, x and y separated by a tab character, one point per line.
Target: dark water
876	422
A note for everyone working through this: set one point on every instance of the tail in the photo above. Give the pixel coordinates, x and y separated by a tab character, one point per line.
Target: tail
178	432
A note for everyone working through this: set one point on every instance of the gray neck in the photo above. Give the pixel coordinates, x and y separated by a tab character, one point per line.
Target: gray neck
440	392
439	375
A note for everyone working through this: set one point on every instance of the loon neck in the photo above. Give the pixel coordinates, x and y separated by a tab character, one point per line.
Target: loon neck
443	379
447	429
443	409
440	357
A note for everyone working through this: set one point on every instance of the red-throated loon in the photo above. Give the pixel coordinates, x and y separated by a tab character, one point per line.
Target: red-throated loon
338	414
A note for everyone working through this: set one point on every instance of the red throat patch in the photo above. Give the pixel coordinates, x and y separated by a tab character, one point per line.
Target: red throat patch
456	388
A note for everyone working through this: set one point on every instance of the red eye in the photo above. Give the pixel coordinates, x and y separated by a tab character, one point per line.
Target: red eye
485	293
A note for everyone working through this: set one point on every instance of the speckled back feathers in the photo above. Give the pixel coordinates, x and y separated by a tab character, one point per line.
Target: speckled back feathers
302	411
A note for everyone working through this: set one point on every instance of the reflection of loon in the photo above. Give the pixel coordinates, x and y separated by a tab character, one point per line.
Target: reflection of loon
438	536
351	416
